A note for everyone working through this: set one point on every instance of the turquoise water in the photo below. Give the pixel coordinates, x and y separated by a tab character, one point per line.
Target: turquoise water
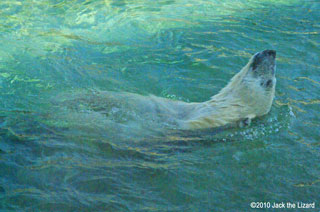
59	151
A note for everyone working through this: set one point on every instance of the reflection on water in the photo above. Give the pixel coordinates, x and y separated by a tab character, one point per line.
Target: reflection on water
60	151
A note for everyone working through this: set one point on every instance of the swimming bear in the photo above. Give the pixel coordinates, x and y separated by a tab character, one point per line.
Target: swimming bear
249	94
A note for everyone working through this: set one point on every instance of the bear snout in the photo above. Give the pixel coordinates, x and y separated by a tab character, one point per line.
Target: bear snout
263	58
271	53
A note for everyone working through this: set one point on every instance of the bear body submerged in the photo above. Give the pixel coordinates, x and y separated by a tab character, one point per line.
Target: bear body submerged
249	94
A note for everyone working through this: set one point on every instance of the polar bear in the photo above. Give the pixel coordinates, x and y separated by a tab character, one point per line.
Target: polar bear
249	94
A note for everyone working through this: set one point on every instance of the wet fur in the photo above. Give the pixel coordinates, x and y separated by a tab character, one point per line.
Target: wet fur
240	101
248	94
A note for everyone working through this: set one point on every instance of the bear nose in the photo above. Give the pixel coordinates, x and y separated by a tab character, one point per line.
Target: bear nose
270	53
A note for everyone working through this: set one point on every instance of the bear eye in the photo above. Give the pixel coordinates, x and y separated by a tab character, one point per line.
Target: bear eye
269	83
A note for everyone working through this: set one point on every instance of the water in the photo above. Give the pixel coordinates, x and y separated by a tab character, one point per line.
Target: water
60	152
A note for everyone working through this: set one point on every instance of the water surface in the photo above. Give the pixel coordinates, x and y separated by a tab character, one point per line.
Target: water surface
60	152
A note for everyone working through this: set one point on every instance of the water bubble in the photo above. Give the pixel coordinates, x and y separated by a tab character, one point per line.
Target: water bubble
291	112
